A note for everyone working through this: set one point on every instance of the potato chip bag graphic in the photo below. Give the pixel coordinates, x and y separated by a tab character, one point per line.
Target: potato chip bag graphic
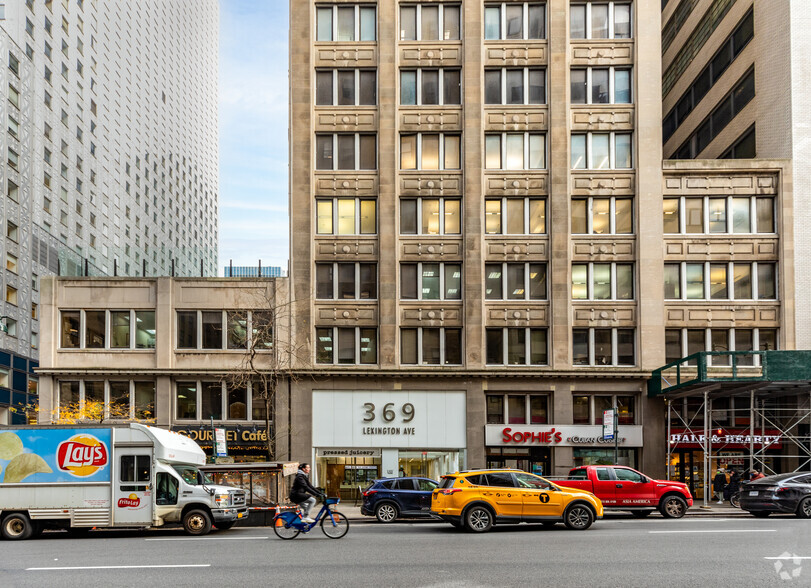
23	466
10	446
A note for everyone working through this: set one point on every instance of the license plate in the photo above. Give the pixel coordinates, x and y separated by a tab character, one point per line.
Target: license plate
753	493
239	515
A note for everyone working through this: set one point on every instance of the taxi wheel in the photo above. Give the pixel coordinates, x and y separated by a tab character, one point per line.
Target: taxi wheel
673	507
479	519
804	510
197	522
578	517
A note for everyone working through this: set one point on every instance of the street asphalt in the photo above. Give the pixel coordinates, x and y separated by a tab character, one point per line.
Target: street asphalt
693	551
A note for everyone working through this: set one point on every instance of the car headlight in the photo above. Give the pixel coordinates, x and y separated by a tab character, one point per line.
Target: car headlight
221	499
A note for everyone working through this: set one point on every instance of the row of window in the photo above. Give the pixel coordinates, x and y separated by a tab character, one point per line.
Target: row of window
98	400
683	342
502	151
502	21
533	409
720	281
504	346
135	329
719	214
442	87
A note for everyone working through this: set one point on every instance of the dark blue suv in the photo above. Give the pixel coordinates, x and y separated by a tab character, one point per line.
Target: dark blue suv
390	498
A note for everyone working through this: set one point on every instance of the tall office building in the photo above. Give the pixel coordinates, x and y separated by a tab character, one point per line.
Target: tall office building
484	255
111	151
733	86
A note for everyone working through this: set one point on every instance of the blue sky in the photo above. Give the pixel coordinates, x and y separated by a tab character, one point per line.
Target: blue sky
253	132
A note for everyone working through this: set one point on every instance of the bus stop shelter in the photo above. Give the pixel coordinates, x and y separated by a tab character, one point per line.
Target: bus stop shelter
774	387
266	485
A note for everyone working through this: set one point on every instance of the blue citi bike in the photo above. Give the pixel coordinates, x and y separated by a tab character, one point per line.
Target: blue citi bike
335	525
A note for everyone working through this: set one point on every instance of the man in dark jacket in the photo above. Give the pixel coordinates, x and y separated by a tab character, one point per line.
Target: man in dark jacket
303	493
719	482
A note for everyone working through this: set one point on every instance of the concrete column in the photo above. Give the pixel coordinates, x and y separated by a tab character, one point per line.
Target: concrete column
389	463
164	401
559	207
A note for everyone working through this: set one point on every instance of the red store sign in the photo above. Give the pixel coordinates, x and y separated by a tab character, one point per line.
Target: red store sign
726	439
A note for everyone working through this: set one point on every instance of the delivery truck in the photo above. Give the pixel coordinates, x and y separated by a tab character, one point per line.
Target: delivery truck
80	477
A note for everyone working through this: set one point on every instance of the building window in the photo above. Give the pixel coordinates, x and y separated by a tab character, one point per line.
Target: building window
517	346
346	281
13	96
350	346
431	346
602	216
98	400
601	151
354	151
603	347
346	216
11	262
710	75
517	409
13	191
430	281
11	231
107	329
601	85
221	329
14	63
515	151
430	22
203	401
13	158
430	87
515	86
745	147
600	20
515	281
430	216
515	20
727	109
589	409
515	216
11	295
719	214
602	281
346	22
680	343
425	151
346	87
721	281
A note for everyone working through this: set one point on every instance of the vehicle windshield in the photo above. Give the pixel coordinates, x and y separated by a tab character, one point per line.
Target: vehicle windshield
191	475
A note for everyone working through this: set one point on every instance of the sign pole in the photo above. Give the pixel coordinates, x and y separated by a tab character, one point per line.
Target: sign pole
616	437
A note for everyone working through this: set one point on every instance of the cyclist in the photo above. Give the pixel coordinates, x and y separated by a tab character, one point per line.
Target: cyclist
303	493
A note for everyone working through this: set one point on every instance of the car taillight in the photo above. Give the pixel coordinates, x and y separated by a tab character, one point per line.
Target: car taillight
369	493
781	490
449	491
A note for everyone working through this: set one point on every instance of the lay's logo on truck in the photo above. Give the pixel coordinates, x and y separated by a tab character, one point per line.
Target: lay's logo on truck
82	455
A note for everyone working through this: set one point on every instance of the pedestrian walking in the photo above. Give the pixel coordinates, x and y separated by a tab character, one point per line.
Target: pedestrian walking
734	484
719	482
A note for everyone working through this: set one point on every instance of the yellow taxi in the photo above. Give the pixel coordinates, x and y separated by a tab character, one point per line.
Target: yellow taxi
479	499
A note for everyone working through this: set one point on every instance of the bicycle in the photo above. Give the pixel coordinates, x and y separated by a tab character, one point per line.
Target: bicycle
288	525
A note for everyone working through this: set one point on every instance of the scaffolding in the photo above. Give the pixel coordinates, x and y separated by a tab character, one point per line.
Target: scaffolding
774	387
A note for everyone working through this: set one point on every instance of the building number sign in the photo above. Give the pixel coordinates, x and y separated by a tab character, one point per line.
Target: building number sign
388	413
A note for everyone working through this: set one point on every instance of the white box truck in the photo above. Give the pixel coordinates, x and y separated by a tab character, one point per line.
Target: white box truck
80	477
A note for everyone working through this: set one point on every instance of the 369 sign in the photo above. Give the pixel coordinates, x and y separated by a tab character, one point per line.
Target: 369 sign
388	413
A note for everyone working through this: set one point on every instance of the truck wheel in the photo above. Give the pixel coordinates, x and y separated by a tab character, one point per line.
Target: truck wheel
479	519
673	507
197	522
386	512
641	514
224	526
17	527
578	517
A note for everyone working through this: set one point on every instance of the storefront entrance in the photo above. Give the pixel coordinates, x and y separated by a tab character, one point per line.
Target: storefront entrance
536	460
427	464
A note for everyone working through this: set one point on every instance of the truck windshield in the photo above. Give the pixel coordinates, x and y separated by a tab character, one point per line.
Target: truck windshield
191	475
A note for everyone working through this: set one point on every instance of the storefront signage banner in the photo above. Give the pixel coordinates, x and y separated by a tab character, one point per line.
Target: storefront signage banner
559	435
727	439
347	453
395	419
235	436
